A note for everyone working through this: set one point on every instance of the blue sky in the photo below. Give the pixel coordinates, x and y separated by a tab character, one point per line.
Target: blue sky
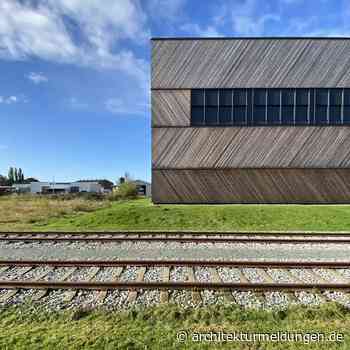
74	87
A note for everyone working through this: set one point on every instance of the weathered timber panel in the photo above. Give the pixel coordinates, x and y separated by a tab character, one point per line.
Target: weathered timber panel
171	108
251	147
251	186
250	63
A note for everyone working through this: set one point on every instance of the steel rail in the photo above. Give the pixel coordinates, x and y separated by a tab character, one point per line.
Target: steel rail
171	285
180	239
181	232
192	263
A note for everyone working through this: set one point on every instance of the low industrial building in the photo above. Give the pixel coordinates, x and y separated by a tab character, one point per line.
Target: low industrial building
59	187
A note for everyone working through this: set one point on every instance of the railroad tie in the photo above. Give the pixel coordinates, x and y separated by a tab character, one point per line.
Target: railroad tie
268	279
8	295
41	293
69	295
215	277
243	279
298	280
132	295
101	295
325	280
164	294
196	295
339	276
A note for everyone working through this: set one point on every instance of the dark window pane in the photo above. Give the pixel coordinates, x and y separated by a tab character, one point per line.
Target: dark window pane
335	97
312	106
211	115
225	97
273	114
211	97
273	97
287	115
335	115
260	97
259	115
322	97
197	116
347	97
225	115
346	114
197	97
249	106
239	115
239	97
302	97
301	115
321	115
288	97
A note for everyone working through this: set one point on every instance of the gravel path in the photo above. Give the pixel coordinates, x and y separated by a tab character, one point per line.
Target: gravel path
173	250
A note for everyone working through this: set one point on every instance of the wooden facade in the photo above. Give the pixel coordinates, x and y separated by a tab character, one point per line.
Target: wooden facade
247	164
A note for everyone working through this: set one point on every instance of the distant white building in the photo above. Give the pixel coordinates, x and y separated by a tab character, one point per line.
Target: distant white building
59	187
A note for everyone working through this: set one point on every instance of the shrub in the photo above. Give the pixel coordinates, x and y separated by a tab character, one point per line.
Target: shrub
126	190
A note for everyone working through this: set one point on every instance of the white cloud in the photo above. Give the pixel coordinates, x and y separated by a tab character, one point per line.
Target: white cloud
26	31
197	30
8	100
12	99
43	29
37	78
123	106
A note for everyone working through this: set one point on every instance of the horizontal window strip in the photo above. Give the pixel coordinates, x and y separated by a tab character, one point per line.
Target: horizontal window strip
268	107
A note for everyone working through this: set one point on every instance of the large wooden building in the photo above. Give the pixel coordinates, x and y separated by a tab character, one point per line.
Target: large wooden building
251	120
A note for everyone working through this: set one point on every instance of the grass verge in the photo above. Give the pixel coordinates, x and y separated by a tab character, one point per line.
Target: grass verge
41	213
157	327
141	214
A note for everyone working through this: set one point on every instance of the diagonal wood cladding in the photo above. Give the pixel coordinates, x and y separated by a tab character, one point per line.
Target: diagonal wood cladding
304	186
252	63
277	164
171	108
251	147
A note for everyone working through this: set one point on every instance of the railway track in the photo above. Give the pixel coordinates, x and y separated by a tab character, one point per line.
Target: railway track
181	237
129	282
243	285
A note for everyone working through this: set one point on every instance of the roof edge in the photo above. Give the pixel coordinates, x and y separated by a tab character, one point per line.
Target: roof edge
254	38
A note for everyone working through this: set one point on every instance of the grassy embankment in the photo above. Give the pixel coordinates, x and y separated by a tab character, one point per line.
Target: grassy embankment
156	328
82	214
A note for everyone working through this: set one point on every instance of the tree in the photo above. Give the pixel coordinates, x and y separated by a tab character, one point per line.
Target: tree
121	180
16	175
11	176
4	180
20	176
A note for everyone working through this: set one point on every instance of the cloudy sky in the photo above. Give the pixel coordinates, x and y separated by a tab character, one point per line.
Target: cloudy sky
74	86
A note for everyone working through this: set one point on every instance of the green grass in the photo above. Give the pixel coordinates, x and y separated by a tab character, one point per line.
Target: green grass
40	213
156	328
141	214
